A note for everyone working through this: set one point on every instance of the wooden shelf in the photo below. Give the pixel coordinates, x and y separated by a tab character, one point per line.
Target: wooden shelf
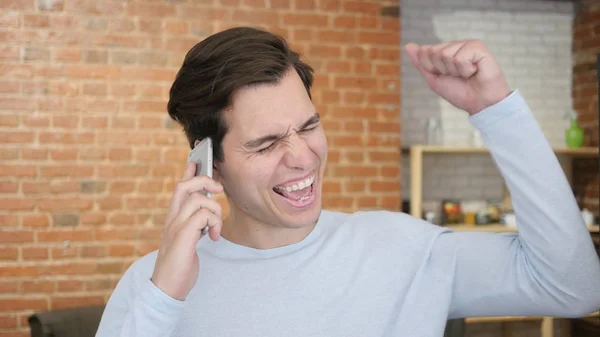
500	319
498	228
580	152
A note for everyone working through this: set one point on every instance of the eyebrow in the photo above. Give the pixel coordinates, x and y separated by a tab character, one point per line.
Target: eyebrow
314	119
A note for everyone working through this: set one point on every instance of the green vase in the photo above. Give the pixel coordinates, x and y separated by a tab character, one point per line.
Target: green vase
574	135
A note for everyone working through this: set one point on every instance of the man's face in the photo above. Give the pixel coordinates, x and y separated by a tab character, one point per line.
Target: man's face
275	154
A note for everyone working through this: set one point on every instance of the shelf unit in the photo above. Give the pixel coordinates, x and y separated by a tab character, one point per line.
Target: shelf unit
416	201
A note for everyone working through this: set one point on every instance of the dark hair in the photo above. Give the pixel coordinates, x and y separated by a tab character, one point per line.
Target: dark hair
218	66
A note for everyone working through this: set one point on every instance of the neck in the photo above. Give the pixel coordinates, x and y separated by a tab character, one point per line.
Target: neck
240	228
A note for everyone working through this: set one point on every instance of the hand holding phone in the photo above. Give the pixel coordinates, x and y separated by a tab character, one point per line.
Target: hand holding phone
191	212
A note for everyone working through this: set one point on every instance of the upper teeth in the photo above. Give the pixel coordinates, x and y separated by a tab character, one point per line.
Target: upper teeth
300	185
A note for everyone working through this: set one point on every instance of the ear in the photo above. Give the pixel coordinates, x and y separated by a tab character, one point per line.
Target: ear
196	142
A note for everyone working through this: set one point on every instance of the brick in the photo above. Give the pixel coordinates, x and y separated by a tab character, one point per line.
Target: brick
9	253
356	82
16	71
121	187
36	54
151	123
332	187
19	104
384	186
9	220
36	121
121	250
362	7
306	5
153	58
176	27
115	234
8	287
345	21
68	54
18	271
93	186
34	154
122	90
8	321
35	220
10	19
21	303
100	284
16	204
8	87
125	123
309	20
116	170
61	253
69	285
66	137
338	67
355	171
369	22
35	253
92	72
60	235
150	10
135	203
110	203
40	287
10	53
93	251
64	154
367	202
35	187
325	51
387	38
66	171
93	218
64	186
65	302
122	219
64	204
65	219
8	187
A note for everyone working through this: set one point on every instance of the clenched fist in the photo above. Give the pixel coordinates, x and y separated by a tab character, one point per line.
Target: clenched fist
177	264
464	73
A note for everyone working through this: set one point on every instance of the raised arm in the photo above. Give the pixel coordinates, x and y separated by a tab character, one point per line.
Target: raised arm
550	267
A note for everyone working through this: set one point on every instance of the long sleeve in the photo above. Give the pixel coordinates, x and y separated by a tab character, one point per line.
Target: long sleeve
550	266
137	308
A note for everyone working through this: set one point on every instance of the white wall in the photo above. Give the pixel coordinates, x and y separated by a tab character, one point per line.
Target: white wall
532	42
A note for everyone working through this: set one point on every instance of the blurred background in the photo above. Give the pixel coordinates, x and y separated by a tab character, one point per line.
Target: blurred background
89	156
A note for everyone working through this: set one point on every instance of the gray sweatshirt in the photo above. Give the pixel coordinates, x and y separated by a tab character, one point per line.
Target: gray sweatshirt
384	273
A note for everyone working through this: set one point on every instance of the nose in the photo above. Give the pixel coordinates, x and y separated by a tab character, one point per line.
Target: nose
298	155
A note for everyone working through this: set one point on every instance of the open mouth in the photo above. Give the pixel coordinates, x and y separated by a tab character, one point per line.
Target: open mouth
298	191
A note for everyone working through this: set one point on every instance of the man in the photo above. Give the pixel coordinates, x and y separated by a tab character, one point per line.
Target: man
279	265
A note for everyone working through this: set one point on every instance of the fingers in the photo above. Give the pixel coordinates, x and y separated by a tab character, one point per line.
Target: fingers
451	59
189	172
191	230
185	187
195	202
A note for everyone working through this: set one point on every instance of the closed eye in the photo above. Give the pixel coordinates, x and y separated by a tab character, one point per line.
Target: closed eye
310	128
266	149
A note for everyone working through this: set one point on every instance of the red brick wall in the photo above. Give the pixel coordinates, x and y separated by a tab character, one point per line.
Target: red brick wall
586	44
88	157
